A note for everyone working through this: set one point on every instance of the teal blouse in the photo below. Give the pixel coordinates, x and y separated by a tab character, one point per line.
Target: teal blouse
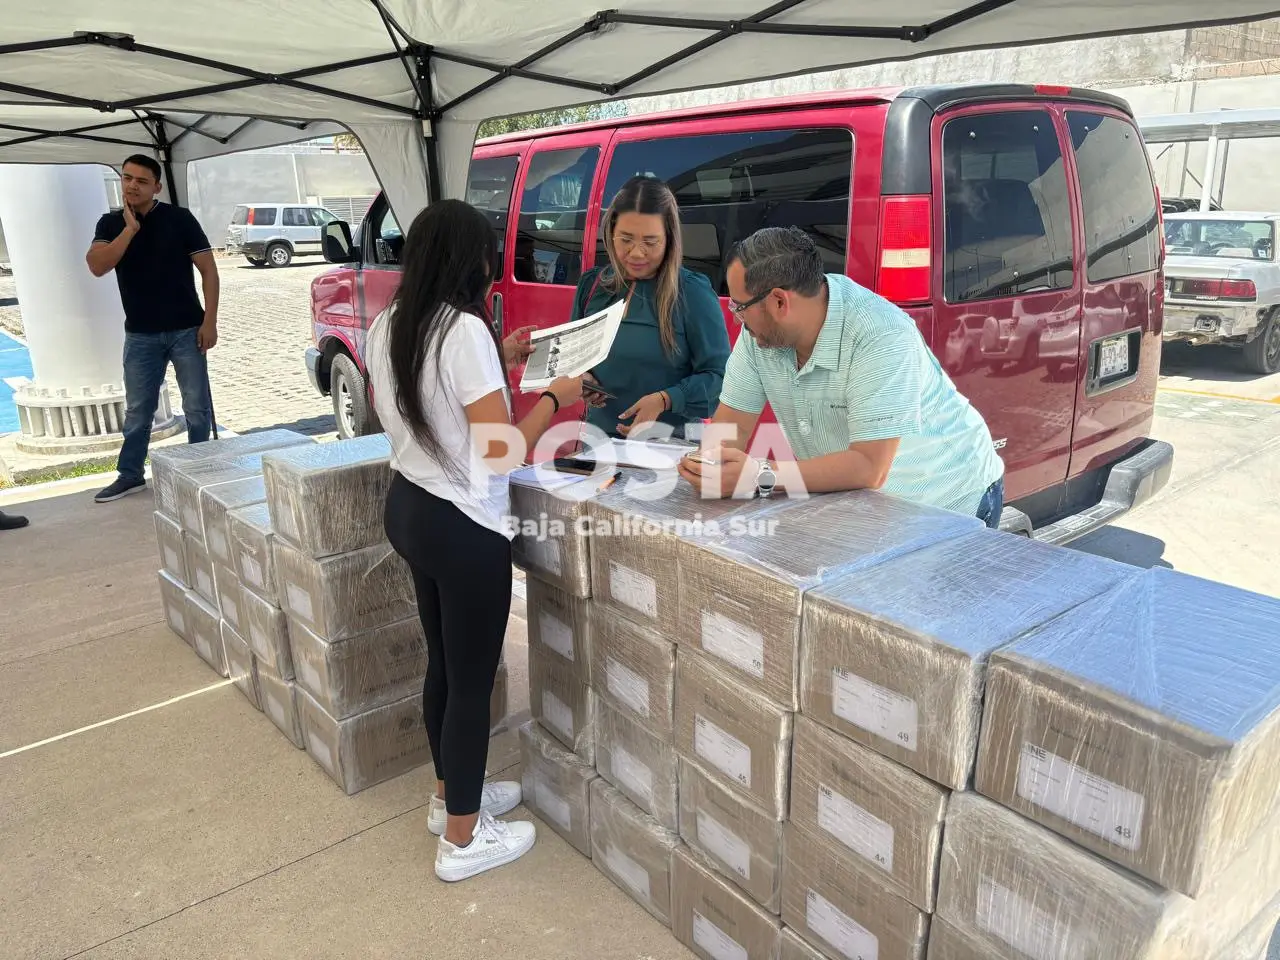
638	365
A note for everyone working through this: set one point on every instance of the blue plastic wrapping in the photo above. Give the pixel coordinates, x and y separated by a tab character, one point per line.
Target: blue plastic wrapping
894	656
1143	724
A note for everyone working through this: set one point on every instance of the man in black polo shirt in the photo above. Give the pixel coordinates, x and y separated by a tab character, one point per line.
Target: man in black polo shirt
151	246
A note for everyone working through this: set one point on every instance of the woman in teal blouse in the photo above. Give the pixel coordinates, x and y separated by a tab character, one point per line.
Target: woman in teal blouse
667	362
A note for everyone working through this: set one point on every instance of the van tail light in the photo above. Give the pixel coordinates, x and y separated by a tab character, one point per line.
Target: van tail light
249	219
1164	250
1214	289
1052	90
906	245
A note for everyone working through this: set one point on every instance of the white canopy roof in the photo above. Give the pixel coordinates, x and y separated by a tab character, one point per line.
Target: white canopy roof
1224	124
394	70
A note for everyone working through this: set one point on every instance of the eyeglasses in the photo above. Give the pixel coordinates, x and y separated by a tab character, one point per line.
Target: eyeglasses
737	309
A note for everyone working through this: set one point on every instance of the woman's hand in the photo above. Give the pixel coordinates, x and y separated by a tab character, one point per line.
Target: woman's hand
568	390
645	410
516	348
593	399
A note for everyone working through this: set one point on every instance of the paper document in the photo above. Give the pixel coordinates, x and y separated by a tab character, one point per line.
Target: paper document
571	349
549	480
646	454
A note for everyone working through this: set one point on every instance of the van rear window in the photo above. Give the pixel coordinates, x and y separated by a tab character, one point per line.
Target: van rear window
1007	213
729	185
1121	222
254	216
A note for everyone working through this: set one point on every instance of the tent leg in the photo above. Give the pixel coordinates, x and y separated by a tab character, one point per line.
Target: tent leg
1210	165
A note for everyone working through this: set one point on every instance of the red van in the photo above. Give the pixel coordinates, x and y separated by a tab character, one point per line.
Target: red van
1019	225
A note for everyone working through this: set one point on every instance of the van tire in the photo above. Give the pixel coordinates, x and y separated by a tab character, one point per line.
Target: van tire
1262	353
352	411
279	255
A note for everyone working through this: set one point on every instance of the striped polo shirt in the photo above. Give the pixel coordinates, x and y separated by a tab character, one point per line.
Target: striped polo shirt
871	377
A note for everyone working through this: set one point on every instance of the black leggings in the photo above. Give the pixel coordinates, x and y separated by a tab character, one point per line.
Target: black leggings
462	575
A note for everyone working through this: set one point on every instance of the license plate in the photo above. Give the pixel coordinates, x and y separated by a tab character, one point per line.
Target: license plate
1113	358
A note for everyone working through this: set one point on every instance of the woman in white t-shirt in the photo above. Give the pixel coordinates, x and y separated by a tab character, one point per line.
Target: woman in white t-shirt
437	372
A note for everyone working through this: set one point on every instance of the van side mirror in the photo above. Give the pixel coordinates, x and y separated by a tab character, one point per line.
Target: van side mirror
338	247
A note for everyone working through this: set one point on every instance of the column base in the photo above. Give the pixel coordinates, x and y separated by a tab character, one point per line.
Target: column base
55	423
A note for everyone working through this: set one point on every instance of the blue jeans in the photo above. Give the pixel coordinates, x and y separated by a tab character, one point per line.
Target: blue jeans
992	504
146	357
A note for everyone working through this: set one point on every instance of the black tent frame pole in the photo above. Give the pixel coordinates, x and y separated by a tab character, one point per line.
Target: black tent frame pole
165	148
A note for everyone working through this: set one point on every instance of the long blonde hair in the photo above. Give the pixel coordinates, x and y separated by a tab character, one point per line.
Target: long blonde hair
651	197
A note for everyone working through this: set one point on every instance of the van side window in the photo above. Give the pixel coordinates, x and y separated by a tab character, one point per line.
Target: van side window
321	217
296	217
1121	223
729	185
553	215
489	186
1006	208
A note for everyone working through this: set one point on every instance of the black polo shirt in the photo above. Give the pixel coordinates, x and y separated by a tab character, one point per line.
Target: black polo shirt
156	278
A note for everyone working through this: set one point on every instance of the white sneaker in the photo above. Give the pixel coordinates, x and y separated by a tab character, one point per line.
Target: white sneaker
493	844
495	800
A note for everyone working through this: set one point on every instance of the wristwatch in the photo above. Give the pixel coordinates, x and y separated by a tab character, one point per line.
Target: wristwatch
766	479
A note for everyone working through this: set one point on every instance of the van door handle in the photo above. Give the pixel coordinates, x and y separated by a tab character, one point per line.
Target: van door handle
496	322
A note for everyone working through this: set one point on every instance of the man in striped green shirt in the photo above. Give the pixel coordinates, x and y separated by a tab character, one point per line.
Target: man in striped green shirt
862	401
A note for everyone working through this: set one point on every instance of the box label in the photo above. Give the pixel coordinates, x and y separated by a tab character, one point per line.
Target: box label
631	773
722	750
204	648
275	710
545	554
733	643
556	635
173	562
875	709
850	938
299	601
251	570
191	517
556	713
1024	926
633	589
320	750
1073	793
217	544
864	833
551	804
718	944
309	676
628	686
632	875
230	610
723	843
204	584
176	618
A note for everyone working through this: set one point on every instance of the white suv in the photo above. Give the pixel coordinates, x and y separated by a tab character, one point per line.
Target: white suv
272	234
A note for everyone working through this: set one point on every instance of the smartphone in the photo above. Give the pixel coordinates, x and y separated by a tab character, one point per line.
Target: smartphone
595	388
583	465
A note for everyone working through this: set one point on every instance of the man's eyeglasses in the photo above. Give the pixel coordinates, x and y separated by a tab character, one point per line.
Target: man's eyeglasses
737	309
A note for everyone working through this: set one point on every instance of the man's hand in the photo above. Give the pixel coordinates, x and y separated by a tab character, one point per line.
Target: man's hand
645	410
719	479
131	223
516	348
207	336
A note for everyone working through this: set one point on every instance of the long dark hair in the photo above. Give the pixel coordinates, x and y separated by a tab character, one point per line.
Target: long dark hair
650	196
450	258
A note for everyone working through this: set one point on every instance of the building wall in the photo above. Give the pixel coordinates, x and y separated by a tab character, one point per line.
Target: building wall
218	184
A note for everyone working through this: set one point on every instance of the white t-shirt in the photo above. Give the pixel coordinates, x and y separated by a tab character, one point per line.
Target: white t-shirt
468	367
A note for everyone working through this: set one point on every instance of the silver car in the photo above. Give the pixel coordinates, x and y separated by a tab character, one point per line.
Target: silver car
1222	283
272	234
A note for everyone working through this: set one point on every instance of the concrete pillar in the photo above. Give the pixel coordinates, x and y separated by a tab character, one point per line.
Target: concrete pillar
73	321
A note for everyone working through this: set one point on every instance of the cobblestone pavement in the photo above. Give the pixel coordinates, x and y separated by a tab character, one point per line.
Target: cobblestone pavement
257	371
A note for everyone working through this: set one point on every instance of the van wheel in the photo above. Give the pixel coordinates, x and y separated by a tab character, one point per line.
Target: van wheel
254	261
279	255
351	408
1262	354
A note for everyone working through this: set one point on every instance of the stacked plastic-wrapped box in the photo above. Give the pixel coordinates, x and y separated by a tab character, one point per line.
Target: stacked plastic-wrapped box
1140	731
195	487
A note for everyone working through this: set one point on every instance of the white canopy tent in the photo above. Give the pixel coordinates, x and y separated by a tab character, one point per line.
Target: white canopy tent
91	80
